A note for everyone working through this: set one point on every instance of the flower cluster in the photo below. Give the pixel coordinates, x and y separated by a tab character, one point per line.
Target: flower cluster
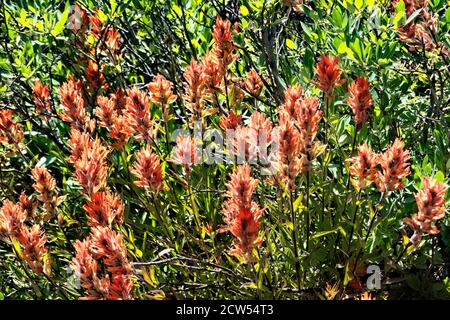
186	153
387	169
162	94
242	214
360	100
45	186
148	170
431	204
103	247
11	132
74	105
139	115
32	240
328	74
41	94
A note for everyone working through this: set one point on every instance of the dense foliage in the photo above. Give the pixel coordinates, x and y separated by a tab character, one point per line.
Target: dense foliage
223	149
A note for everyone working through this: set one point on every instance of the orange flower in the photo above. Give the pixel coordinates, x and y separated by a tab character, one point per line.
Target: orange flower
185	153
12	217
360	100
162	95
292	98
245	144
103	250
41	94
148	170
212	72
10	131
394	167
77	143
121	131
241	214
45	183
242	186
106	111
195	89
138	114
431	204
91	169
286	162
73	102
262	125
253	83
103	208
223	47
230	122
363	166
328	74
95	76
26	204
34	251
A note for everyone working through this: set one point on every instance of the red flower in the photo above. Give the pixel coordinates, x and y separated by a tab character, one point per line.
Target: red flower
253	83
241	214
138	114
212	72
363	166
431	204
148	170
394	167
41	94
223	46
185	152
360	100
91	169
292	98
12	217
78	142
328	74
162	94
195	89
106	111
230	122
10	131
34	251
45	183
103	208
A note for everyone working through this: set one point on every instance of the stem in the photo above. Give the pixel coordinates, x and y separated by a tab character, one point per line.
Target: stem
354	219
308	226
294	238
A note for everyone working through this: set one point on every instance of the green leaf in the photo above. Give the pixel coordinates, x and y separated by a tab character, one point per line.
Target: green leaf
439	176
290	44
447	15
59	26
400	12
323	233
244	10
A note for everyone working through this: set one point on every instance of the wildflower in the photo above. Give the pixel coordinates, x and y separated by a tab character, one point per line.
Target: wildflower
148	170
262	125
138	113
328	74
363	167
394	167
286	161
195	89
41	94
94	76
12	217
212	72
431	204
120	288
103	208
34	251
45	183
10	131
331	291
308	117
78	142
121	131
253	83
106	244
162	95
106	111
242	186
292	98
91	169
185	153
245	143
241	214
73	102
360	100
366	296
26	204
230	122
223	47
